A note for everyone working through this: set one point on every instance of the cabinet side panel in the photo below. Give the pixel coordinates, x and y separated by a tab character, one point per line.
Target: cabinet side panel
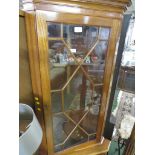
25	85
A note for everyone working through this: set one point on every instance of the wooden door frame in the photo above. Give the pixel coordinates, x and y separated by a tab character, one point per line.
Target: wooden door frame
41	18
35	75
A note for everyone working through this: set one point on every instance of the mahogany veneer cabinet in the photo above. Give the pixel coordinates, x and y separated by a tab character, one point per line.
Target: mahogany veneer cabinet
72	49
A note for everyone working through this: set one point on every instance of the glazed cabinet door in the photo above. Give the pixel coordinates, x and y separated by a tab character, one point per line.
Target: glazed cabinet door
76	63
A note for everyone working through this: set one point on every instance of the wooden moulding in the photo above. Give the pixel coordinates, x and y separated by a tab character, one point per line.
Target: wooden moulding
88	148
103	8
74	19
91	3
78	10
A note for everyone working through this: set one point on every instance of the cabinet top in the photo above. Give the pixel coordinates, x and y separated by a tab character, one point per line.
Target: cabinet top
118	6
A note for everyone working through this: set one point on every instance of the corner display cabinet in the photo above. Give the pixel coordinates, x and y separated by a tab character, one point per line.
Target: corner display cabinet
72	49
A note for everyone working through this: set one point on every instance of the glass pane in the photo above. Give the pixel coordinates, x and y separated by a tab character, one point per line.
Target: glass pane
62	126
56	102
95	67
77	137
99	53
57	52
54	30
89	123
80	39
104	33
75	93
76	90
58	148
76	115
59	134
57	64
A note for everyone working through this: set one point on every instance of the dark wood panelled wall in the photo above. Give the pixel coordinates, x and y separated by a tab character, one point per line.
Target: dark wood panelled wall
106	13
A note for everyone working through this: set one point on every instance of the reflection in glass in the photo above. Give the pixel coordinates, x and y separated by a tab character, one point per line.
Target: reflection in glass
59	133
75	94
99	53
89	123
80	41
97	57
104	33
54	30
57	65
57	51
76	115
77	137
56	102
62	126
58	148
